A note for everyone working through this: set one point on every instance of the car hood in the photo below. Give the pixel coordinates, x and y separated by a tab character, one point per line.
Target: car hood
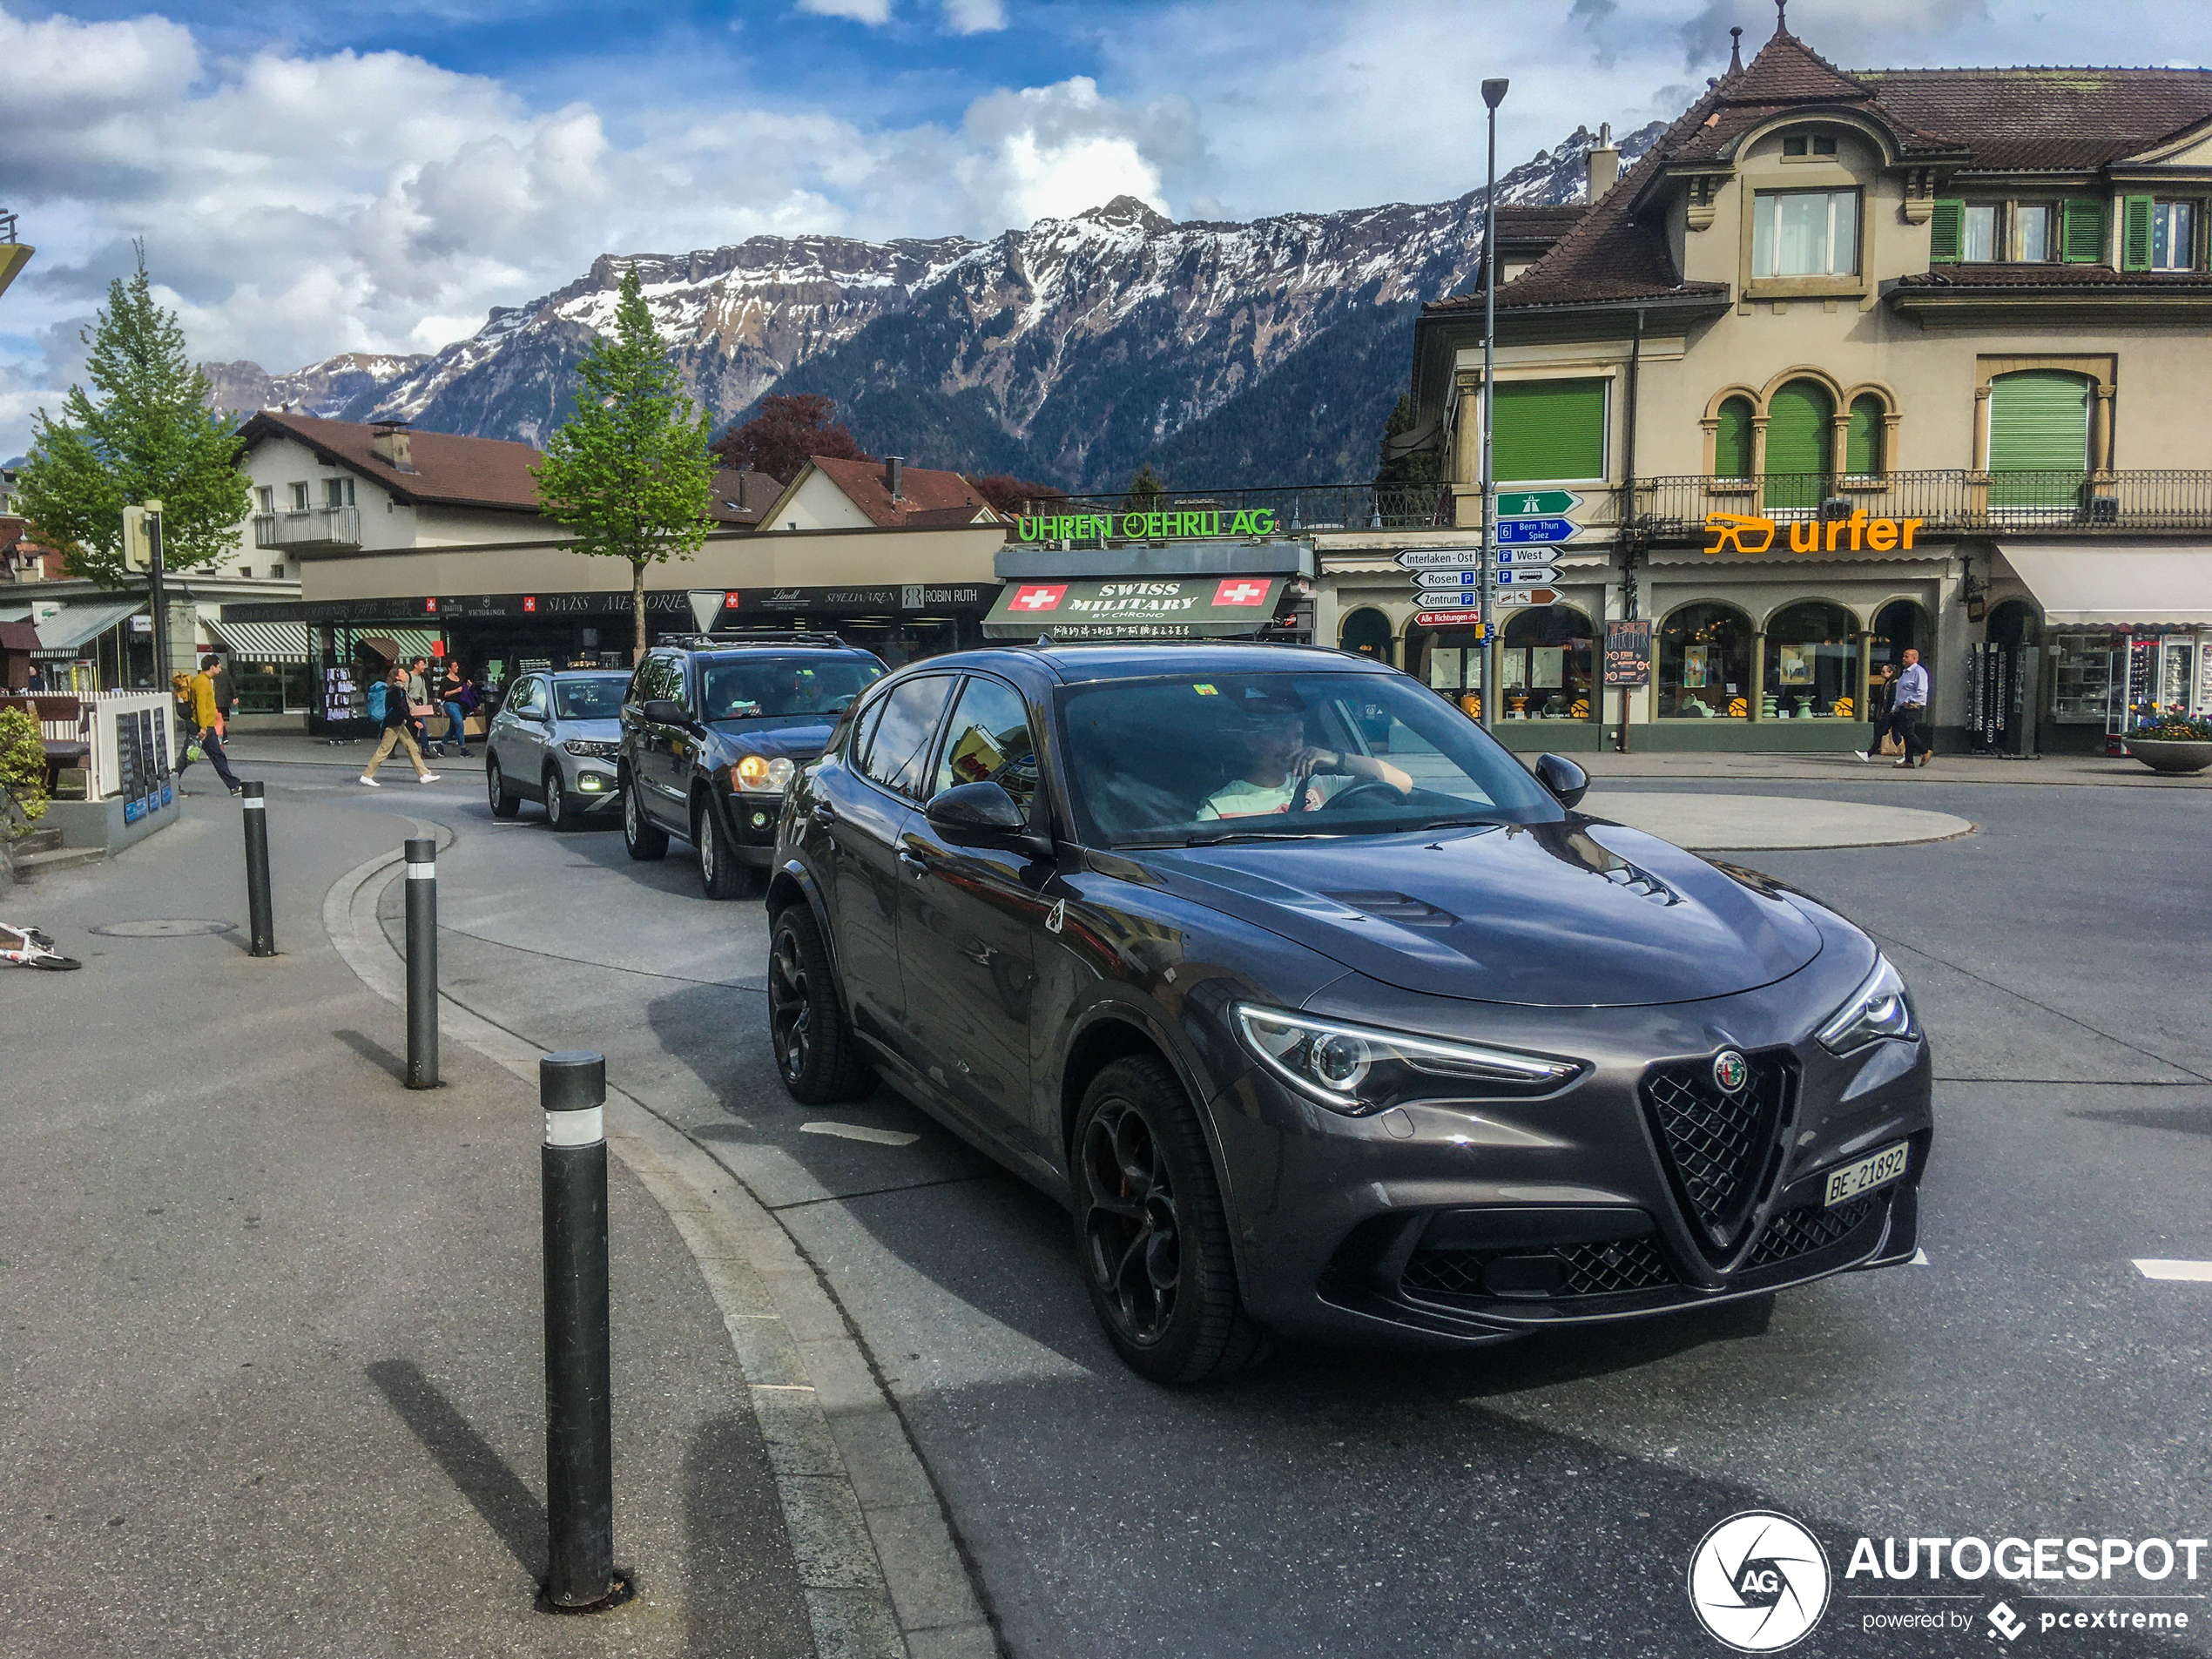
591	731
799	737
1583	914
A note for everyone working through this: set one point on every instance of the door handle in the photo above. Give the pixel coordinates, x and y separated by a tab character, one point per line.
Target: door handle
914	861
824	815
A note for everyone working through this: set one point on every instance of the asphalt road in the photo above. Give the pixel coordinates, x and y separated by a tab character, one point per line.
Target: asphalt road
2026	1380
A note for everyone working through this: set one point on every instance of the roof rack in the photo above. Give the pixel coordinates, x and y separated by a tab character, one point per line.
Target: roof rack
758	637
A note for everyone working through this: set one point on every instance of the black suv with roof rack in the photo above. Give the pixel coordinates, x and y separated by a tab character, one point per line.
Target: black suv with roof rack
714	726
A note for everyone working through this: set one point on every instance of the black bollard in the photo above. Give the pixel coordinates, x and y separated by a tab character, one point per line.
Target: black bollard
260	916
579	1416
421	963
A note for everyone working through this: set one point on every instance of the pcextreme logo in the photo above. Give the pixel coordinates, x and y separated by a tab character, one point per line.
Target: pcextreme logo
1746	533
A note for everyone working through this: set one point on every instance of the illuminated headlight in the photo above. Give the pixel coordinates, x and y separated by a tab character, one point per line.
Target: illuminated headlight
591	748
591	782
1879	1007
757	776
1357	1069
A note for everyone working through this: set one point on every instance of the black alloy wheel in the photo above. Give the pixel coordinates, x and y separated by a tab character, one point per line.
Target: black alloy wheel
1152	1232
504	802
815	1053
557	815
722	873
643	839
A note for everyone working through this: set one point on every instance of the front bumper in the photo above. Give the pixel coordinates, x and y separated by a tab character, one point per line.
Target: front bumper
1449	1224
593	786
749	820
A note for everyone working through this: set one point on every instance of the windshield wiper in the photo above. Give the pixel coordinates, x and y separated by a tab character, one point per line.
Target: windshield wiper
1215	838
1459	822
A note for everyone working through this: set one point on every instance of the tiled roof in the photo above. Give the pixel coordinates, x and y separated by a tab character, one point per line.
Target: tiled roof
941	497
741	497
2057	277
2048	119
448	470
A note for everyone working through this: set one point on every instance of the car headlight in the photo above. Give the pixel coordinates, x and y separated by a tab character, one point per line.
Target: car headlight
1358	1069
1879	1007
591	748
757	775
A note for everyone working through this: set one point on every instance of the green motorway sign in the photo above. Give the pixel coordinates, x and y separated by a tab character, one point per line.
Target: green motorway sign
1536	503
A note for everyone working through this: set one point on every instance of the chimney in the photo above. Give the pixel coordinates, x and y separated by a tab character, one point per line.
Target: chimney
1604	161
894	475
389	439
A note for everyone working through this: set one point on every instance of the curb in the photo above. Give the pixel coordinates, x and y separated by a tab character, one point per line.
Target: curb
878	1569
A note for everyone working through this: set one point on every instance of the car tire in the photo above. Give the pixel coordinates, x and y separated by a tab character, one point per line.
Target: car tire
641	839
504	802
557	815
1152	1232
816	1056
722	873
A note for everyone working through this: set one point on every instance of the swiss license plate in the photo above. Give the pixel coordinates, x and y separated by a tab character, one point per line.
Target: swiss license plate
1864	1176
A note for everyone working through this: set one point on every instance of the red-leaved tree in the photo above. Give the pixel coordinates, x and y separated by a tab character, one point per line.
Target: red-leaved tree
785	430
1007	493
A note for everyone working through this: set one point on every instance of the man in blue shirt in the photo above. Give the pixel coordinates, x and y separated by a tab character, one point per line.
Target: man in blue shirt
1907	710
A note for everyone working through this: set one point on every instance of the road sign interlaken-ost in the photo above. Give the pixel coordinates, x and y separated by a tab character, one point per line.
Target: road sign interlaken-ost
1439	558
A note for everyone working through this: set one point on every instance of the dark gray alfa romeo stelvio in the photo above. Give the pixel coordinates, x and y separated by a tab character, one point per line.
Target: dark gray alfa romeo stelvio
1322	1016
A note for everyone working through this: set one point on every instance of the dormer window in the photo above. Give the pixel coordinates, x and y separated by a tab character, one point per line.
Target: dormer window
1805	232
1809	145
1978	234
2173	236
2031	231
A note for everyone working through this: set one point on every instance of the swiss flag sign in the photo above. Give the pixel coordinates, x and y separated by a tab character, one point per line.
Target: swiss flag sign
1039	596
1240	590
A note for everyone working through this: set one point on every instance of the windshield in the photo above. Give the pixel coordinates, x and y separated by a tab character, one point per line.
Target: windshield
763	687
1237	757
589	699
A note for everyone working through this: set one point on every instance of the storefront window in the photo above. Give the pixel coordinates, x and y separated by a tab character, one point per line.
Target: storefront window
1812	663
1367	631
1455	668
1544	664
260	687
1705	663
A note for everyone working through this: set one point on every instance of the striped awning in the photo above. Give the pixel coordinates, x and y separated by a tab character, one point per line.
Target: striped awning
264	642
407	644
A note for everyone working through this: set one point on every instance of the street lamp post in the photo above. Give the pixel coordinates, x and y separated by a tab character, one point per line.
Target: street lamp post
1494	93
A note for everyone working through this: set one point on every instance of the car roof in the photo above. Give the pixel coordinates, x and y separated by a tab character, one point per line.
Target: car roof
585	673
1083	664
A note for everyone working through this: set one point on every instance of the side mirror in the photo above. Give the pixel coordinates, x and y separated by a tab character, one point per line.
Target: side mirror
1566	781
661	710
983	815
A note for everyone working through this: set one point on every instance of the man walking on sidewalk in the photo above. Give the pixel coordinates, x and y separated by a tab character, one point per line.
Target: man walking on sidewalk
1906	712
207	716
396	721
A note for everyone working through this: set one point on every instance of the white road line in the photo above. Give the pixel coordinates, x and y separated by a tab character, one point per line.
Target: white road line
1919	1259
2195	1272
861	1132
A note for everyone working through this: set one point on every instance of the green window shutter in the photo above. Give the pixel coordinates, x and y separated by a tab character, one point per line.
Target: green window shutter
1549	430
1946	231
2135	234
1800	426
1863	447
2039	432
2082	239
1732	440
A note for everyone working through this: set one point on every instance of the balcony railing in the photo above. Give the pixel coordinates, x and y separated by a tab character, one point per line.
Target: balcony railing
1297	508
1943	500
330	527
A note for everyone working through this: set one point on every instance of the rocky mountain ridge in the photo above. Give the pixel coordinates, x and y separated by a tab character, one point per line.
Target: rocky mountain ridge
326	388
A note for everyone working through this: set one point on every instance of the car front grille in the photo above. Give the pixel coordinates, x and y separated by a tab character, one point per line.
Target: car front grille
1718	1146
1800	1232
1607	1268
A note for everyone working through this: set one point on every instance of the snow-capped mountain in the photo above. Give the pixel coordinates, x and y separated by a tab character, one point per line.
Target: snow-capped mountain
1073	350
324	389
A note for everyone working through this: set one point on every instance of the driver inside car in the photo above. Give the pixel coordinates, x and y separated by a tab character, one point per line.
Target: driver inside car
1280	772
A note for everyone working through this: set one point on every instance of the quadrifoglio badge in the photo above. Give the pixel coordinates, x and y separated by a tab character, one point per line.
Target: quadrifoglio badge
1761	1581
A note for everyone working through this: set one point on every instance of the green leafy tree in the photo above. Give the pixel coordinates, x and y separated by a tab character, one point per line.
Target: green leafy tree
1416	467
22	768
1145	491
631	472
143	432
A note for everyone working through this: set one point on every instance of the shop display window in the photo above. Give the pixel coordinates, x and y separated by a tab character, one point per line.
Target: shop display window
2082	671
1455	668
1544	672
1811	665
1705	663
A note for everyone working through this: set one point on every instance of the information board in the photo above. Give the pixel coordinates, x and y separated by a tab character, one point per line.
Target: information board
1627	653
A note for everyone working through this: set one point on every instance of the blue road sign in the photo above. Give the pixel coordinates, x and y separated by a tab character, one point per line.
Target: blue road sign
1512	531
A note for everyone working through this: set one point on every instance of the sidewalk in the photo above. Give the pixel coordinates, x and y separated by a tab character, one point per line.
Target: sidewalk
274	1349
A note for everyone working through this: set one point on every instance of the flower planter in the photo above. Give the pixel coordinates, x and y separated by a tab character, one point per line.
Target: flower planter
2171	754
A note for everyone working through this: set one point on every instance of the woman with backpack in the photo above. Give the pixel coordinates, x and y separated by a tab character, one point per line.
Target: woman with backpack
391	712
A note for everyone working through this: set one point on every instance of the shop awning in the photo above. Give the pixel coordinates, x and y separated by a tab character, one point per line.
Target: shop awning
264	642
2103	586
1198	607
65	632
407	644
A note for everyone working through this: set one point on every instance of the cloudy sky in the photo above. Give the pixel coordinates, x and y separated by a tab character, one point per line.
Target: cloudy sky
374	174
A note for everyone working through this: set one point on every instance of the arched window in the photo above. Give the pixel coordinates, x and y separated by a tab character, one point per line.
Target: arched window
1800	439
1732	439
1705	663
1367	631
1544	673
2038	438
1454	666
1812	663
1862	457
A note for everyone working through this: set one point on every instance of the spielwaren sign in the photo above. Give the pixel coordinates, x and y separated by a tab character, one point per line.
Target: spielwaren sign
1163	526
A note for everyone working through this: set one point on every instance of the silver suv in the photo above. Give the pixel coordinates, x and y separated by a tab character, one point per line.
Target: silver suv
555	739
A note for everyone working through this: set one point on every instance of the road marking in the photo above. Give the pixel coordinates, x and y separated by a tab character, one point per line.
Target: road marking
861	1132
2195	1272
1919	1259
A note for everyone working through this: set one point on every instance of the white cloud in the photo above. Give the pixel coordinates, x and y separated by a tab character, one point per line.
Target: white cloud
868	11
1053	150
974	16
